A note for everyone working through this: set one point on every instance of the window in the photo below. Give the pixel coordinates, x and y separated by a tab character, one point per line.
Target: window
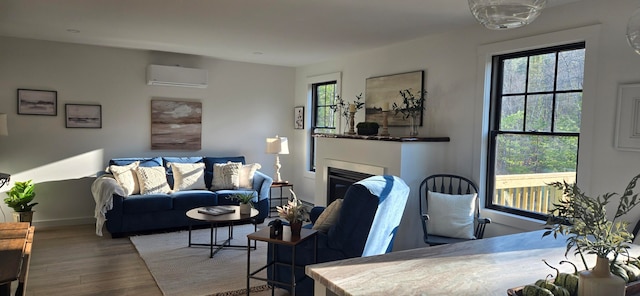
323	97
536	104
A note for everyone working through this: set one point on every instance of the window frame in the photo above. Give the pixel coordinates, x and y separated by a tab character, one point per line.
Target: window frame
495	112
310	131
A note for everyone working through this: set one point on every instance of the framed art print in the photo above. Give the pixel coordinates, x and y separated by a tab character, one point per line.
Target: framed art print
83	116
627	136
37	102
383	91
298	115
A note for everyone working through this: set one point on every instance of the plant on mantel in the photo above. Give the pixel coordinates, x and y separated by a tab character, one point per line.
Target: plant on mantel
412	104
343	106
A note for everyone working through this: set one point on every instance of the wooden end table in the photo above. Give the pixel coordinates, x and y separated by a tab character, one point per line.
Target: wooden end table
286	239
229	219
15	249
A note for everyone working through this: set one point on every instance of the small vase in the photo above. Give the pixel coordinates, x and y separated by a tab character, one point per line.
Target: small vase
295	228
414	125
600	281
245	209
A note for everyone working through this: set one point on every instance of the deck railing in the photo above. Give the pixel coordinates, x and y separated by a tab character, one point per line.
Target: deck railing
530	192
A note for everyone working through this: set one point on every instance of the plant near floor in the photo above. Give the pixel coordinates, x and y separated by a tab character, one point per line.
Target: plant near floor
583	219
20	196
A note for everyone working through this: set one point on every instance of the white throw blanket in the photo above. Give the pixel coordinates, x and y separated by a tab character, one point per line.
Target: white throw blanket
103	189
392	193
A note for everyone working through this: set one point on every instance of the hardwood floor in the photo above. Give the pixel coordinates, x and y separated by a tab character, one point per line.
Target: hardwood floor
72	260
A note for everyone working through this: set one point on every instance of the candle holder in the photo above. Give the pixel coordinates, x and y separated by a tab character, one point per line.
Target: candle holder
385	124
351	123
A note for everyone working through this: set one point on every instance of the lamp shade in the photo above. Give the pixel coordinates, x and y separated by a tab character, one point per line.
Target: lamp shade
506	14
277	145
4	130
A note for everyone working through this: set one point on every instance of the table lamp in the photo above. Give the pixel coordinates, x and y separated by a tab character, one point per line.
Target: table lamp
277	146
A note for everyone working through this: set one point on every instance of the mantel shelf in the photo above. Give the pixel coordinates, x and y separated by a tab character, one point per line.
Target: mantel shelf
383	138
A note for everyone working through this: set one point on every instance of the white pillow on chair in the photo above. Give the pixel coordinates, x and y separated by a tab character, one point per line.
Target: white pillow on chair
451	215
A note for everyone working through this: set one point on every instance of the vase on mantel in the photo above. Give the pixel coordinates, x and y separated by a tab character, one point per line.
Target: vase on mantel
415	123
600	281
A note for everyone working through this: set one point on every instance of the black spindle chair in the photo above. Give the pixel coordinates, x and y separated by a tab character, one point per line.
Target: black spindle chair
454	185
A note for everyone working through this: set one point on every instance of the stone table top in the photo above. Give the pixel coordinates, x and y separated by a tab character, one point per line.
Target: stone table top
481	267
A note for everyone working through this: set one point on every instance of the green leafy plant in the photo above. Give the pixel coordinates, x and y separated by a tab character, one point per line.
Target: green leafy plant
293	211
584	220
344	105
244	198
20	196
412	104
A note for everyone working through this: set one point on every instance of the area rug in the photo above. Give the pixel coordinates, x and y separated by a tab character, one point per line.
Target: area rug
182	270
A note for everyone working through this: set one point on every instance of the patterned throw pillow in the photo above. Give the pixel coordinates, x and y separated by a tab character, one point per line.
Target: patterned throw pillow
226	175
246	174
153	180
188	176
126	177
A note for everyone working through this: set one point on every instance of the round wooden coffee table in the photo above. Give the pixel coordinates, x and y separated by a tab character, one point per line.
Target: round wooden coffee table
228	219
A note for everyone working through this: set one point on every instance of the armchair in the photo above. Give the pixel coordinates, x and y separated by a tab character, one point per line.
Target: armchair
367	224
454	214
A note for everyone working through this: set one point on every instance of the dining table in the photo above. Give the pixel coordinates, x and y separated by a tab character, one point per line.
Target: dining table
15	241
489	266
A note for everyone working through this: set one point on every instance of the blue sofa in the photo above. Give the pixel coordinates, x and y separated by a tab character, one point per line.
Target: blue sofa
137	213
367	224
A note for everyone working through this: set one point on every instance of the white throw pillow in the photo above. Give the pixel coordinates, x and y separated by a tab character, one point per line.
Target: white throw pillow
153	180
126	177
226	175
329	216
246	174
451	215
187	176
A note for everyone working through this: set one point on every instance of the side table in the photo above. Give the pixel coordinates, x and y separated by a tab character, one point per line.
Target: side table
286	239
272	205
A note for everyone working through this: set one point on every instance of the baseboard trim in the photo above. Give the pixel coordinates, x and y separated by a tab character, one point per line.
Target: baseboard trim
63	222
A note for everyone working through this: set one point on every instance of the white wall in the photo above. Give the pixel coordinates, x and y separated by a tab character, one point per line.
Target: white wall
450	60
244	104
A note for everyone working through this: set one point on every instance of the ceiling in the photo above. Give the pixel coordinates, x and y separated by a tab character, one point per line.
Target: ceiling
276	32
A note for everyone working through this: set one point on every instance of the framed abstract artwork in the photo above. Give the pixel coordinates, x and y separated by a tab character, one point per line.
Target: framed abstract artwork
83	116
176	125
37	102
627	136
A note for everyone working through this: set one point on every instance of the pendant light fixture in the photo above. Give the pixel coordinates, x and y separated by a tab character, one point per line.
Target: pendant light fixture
633	31
506	14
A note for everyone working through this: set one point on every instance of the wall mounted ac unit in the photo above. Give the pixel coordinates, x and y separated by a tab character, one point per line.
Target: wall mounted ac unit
176	76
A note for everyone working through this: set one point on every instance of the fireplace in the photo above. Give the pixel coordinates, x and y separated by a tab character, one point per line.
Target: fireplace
339	181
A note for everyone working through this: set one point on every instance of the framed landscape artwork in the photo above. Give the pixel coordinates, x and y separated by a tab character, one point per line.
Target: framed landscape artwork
37	102
83	116
176	125
385	90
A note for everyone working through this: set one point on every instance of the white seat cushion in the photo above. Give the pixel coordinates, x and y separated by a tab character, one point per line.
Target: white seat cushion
451	215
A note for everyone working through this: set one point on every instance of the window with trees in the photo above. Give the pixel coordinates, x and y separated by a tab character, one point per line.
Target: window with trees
536	103
323	96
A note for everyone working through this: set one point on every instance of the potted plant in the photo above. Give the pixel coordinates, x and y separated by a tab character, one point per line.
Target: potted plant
411	108
342	107
367	128
20	197
584	221
294	212
245	200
